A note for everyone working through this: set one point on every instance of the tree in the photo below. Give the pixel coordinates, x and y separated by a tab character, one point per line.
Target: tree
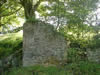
76	29
9	11
76	14
72	12
30	7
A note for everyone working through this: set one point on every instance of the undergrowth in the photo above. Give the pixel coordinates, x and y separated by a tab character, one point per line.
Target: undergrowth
10	43
81	68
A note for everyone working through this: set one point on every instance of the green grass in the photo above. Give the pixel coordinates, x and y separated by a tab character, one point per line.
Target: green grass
84	68
38	70
10	43
81	68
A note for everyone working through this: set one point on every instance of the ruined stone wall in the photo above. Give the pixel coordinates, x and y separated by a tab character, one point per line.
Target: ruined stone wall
94	55
41	42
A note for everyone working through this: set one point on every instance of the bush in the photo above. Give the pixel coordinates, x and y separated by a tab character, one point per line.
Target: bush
76	55
10	43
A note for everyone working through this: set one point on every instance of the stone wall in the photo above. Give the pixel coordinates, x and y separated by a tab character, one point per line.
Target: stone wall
94	55
41	42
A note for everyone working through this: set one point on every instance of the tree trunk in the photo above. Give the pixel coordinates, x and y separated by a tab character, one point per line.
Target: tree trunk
30	8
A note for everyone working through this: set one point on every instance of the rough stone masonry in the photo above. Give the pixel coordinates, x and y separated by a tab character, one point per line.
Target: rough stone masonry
94	55
41	42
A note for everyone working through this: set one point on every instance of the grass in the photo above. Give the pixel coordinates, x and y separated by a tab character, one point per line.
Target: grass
81	68
84	68
38	70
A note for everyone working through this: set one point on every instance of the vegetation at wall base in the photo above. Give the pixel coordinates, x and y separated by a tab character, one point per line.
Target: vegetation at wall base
80	68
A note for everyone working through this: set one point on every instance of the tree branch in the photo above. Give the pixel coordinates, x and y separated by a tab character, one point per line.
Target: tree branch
36	5
10	13
2	2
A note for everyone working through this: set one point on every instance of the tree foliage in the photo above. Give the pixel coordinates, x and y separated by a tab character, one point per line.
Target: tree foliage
9	12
